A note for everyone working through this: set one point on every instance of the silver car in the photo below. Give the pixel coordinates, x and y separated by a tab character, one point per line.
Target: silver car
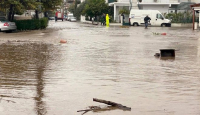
73	19
6	25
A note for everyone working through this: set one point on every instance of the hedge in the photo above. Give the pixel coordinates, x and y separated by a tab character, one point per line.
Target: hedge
33	24
181	17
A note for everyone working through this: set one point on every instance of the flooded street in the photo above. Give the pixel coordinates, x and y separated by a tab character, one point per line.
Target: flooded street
41	76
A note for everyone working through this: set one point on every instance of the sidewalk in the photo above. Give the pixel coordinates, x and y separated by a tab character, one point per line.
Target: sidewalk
189	25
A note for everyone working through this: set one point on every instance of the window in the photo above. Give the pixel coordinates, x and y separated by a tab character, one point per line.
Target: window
159	16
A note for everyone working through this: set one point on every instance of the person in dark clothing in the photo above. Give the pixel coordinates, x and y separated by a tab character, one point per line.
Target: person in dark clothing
103	19
146	20
55	18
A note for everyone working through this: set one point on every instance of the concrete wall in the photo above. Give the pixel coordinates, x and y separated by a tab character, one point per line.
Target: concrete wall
22	18
197	1
189	25
184	0
161	8
118	16
173	1
123	1
155	1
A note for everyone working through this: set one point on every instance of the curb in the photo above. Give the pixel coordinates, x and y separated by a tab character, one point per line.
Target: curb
111	24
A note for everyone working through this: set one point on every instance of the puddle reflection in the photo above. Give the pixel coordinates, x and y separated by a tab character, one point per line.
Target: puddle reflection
22	67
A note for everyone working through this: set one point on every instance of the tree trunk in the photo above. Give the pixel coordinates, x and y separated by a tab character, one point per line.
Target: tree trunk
75	6
45	14
10	12
36	14
90	18
13	14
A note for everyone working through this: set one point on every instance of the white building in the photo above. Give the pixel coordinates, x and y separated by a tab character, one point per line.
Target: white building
196	1
164	6
161	5
120	4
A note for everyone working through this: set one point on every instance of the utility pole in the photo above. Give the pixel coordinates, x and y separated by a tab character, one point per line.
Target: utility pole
130	5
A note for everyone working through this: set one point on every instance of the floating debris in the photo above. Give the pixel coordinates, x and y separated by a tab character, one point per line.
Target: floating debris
112	106
63	41
167	52
157	55
154	33
124	26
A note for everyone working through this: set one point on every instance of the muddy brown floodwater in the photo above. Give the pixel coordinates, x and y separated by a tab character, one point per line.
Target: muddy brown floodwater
40	76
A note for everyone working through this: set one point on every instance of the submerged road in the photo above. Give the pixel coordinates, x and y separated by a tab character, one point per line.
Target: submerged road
41	76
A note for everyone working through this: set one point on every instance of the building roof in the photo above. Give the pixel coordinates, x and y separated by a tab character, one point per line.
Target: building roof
185	5
195	6
182	6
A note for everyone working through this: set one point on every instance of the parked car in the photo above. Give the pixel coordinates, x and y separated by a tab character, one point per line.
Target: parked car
6	25
69	16
73	19
51	18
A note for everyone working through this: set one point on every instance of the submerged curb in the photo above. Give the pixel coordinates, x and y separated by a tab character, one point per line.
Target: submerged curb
111	24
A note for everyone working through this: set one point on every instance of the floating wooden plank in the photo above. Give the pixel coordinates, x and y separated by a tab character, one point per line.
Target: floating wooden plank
112	106
120	106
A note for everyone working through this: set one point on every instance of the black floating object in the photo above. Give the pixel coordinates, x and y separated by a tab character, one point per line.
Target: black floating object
157	55
167	52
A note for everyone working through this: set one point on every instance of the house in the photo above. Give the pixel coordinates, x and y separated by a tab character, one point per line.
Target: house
164	6
161	5
195	8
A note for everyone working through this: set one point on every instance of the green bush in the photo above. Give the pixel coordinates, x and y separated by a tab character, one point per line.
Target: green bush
181	17
33	24
124	11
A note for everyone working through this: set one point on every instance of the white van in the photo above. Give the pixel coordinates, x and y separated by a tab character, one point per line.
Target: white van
69	16
136	18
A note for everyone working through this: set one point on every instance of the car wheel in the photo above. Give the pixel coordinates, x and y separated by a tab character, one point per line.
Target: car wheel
135	24
163	25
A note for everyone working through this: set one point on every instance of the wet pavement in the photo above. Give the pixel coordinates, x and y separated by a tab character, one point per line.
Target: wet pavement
40	76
